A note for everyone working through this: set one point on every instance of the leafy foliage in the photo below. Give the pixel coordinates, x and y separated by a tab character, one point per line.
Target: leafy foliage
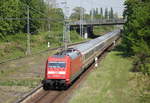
76	13
10	9
111	13
97	14
13	16
136	40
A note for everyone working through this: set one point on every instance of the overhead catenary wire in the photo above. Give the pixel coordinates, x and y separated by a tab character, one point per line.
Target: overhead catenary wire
25	6
27	19
56	20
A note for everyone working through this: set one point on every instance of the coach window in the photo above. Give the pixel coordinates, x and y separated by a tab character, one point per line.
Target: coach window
78	54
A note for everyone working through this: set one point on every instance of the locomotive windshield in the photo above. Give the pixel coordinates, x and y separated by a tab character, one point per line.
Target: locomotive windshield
56	64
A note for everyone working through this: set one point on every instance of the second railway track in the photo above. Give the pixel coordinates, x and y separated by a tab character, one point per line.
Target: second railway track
17	58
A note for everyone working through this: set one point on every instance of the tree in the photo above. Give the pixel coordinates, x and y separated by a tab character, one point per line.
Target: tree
10	9
96	11
87	17
76	13
16	11
136	39
37	10
111	13
106	13
58	14
101	12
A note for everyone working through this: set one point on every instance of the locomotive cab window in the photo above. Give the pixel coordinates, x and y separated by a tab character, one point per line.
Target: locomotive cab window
56	64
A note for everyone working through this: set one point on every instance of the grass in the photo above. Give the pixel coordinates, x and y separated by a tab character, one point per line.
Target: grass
17	77
14	46
23	74
27	68
11	69
99	30
112	82
24	77
31	83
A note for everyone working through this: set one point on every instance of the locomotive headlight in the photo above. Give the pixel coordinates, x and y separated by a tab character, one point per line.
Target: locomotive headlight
62	72
62	75
49	76
56	72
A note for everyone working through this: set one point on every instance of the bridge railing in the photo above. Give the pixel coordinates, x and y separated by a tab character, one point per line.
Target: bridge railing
98	21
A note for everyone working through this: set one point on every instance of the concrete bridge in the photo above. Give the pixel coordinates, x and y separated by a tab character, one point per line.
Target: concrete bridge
98	22
87	25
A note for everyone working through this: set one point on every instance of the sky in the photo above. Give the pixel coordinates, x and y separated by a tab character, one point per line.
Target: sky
117	5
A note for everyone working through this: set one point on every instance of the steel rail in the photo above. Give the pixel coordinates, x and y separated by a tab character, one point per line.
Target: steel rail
63	96
20	57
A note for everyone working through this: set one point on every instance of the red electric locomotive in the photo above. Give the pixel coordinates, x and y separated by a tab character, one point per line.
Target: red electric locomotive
62	68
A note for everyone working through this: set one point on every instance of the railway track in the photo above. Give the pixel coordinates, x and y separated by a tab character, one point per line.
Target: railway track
60	96
9	60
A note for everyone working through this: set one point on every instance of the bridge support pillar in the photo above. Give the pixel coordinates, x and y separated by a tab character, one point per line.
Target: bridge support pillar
88	32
